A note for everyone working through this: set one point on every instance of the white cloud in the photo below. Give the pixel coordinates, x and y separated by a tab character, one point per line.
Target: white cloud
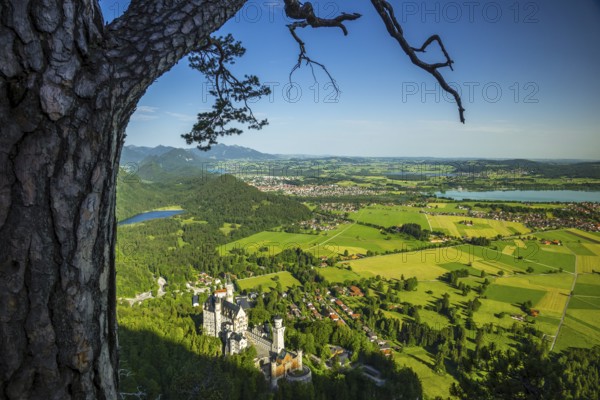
182	117
145	113
146	109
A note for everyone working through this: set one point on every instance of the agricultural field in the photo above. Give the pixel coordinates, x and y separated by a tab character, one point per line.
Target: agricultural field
268	281
358	239
582	322
336	274
387	216
270	243
393	266
584	245
354	238
430	264
513	294
451	225
548	292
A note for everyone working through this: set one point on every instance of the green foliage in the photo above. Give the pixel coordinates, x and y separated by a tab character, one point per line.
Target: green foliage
530	373
480	241
452	276
415	231
212	60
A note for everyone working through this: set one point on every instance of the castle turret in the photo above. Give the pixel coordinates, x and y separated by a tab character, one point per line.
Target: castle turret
229	288
278	335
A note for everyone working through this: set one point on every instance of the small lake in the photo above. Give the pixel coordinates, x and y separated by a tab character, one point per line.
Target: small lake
540	196
150	215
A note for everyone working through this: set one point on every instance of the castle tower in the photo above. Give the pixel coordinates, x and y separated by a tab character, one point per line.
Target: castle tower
229	288
278	335
217	315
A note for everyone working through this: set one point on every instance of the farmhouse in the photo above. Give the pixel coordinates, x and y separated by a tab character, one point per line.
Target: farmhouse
534	313
356	292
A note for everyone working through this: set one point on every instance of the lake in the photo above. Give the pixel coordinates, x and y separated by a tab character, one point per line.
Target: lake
150	215
539	196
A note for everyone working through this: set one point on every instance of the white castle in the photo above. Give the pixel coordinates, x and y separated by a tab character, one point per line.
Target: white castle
225	319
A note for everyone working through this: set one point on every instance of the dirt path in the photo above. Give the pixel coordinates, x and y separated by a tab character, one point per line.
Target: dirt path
562	319
333	237
148	295
427	219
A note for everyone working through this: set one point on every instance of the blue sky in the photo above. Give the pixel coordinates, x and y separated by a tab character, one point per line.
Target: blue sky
528	72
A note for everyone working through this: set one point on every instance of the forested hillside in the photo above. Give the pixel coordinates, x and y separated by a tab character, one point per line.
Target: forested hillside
218	209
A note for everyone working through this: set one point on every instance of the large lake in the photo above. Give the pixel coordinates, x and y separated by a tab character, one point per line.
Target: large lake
541	196
150	215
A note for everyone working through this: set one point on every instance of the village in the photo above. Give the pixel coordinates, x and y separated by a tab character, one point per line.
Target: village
283	185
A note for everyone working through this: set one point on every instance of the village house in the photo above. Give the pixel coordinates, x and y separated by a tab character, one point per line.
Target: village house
356	292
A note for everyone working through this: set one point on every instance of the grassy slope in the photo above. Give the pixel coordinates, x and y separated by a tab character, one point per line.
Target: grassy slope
268	281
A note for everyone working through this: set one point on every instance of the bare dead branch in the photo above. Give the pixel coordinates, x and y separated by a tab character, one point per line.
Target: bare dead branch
302	57
386	12
437	39
304	12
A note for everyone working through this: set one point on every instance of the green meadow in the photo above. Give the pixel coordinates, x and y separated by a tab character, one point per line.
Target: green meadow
453	225
268	281
582	321
417	358
387	216
270	243
353	238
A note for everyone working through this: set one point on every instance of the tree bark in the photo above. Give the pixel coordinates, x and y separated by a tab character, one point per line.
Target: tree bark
68	86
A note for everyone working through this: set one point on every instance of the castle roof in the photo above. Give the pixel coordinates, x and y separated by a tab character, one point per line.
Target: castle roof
232	310
229	309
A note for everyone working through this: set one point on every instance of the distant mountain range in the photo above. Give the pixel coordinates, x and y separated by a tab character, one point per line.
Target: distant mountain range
139	154
165	162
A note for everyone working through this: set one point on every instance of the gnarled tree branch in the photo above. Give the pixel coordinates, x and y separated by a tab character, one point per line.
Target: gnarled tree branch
305	14
386	12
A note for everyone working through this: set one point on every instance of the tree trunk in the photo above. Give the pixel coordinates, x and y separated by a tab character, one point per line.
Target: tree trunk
68	86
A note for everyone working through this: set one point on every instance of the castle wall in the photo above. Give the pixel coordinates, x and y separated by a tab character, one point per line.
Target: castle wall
209	324
258	340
